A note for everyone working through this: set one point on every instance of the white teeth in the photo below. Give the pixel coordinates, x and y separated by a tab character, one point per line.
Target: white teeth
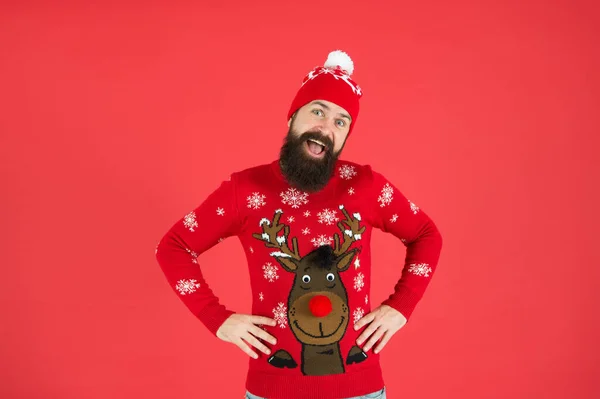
318	142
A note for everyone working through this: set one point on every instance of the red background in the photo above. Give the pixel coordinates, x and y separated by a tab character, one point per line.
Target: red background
116	120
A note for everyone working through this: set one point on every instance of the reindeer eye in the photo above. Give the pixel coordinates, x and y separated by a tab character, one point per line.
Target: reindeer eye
306	278
330	277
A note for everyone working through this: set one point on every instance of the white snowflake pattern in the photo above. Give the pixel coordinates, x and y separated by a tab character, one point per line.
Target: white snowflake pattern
270	272
347	172
251	250
220	211
306	231
280	314
359	281
189	221
187	286
327	216
261	296
357	263
291	219
420	269
413	207
394	218
306	214
387	195
294	198
366	299
351	191
358	314
256	200
194	255
321	240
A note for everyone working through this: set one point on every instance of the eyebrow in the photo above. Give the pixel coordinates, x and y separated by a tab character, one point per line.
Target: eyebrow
328	109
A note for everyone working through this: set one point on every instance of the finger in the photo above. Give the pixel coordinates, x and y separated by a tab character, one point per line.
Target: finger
262	320
246	348
373	339
366	319
251	339
386	337
262	334
368	331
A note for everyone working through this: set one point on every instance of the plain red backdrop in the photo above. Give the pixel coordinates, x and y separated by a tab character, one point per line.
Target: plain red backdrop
116	120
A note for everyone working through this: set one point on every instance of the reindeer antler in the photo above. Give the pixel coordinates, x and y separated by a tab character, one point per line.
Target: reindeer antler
271	240
351	235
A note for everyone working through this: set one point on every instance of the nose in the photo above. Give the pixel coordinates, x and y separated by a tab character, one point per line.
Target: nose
320	305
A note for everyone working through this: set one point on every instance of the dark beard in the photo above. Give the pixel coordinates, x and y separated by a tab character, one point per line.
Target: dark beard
299	169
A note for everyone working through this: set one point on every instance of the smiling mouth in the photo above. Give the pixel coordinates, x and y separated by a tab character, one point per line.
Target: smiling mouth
316	148
320	329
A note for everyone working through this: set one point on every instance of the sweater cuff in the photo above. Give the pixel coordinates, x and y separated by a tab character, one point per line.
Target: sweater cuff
214	316
404	301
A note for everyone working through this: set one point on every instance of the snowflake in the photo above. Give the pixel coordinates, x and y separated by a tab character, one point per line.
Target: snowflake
321	240
358	314
394	218
306	214
357	263
194	256
280	314
270	272
291	219
413	207
256	200
420	269
306	231
387	195
251	250
220	211
359	281
261	296
366	299
350	191
187	286
347	172
327	216
189	221
294	198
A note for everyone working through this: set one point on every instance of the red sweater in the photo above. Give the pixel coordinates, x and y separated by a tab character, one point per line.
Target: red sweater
310	269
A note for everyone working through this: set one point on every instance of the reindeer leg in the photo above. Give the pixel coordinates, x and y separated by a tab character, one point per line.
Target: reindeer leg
356	355
282	359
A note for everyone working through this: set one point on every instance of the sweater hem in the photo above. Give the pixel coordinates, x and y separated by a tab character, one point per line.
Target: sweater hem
334	386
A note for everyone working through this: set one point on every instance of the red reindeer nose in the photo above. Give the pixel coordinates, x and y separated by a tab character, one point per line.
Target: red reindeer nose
320	305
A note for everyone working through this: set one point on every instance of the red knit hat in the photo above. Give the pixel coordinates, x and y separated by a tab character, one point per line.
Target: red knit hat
331	82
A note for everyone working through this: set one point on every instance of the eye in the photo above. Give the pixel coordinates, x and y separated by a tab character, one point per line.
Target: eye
341	123
317	112
306	278
330	277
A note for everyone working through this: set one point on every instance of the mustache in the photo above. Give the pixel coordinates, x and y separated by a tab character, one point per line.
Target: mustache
317	136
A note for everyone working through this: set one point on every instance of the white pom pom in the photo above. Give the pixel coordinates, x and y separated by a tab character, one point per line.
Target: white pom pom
341	59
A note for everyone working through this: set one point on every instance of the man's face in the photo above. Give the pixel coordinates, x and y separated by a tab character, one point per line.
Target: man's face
317	134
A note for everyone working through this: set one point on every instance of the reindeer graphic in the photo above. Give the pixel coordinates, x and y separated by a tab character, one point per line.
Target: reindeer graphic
318	312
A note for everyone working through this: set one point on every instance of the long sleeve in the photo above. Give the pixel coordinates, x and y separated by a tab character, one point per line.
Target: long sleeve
216	218
396	214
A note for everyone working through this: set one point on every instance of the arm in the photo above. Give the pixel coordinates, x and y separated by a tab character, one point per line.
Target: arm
216	218
404	219
395	214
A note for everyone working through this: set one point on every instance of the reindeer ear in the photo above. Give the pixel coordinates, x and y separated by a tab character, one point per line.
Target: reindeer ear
287	263
345	259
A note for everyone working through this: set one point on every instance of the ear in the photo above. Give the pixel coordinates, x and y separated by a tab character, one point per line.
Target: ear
345	259
288	264
289	122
